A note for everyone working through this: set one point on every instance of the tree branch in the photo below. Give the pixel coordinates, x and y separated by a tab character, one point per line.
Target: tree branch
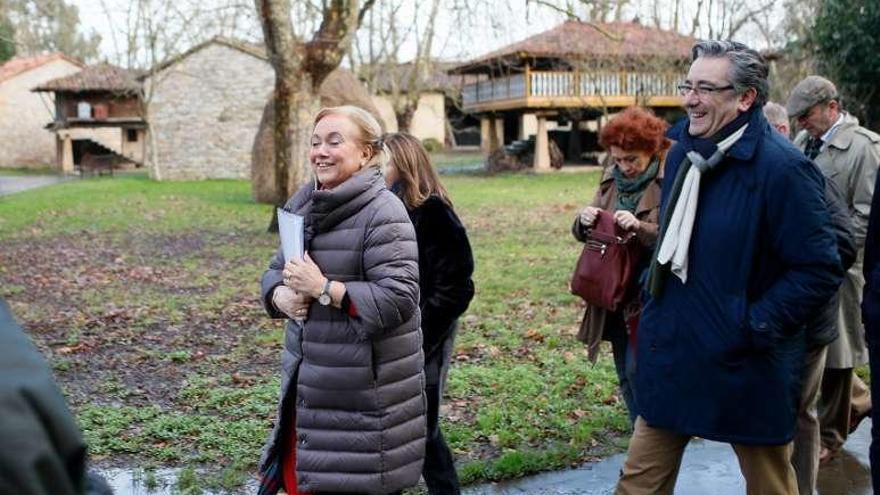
368	4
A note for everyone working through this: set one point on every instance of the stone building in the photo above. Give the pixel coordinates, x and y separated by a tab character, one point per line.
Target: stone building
204	108
23	113
98	118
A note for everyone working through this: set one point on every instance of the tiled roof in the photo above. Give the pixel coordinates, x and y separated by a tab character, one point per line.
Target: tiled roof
19	65
578	40
101	77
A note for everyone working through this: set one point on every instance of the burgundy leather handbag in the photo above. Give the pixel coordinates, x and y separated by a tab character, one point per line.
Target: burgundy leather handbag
606	268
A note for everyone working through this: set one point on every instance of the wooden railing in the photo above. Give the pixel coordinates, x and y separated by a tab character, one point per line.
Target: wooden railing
553	84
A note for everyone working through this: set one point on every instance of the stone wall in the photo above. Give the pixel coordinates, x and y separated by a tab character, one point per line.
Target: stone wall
386	112
23	115
429	120
205	113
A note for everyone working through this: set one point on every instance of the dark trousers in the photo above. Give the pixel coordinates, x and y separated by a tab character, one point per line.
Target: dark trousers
439	469
625	367
872	329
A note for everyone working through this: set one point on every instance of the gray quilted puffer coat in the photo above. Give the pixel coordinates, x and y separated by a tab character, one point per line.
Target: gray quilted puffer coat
359	384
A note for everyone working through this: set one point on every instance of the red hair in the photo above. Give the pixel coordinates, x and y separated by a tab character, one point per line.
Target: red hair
635	129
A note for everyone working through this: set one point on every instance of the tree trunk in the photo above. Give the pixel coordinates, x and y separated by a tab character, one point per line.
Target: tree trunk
300	68
405	117
278	35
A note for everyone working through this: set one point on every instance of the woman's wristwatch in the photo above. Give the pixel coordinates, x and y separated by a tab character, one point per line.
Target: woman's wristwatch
324	298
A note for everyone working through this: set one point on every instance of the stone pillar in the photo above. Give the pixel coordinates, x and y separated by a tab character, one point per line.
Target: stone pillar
491	134
528	125
542	146
486	133
66	154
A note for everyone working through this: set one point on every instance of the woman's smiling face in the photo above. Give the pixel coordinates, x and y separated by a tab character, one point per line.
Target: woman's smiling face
336	152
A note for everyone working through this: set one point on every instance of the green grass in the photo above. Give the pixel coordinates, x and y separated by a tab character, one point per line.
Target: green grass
44	170
170	290
453	161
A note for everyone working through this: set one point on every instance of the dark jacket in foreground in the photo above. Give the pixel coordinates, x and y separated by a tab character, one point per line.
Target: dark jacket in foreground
720	357
445	268
871	300
41	450
822	330
356	382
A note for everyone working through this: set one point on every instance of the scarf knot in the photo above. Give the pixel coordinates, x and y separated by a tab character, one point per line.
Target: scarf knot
631	189
676	237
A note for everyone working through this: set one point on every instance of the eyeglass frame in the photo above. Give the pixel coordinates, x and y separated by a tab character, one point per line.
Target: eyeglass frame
700	91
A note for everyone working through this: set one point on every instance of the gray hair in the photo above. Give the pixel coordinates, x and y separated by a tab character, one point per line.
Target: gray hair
748	69
775	113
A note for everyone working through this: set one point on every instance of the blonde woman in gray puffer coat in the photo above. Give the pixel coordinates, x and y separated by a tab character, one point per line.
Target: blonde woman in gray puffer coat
352	408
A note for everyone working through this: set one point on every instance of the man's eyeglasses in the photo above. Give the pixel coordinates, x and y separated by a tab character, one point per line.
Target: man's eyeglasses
701	90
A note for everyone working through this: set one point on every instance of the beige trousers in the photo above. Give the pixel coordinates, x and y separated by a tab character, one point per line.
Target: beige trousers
805	457
843	396
654	458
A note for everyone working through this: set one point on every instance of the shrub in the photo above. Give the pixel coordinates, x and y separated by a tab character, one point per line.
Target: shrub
432	145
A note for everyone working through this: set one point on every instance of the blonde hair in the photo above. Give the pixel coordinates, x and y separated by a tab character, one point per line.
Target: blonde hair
417	175
371	131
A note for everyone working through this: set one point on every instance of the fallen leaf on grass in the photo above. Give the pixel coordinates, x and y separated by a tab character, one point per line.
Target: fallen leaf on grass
73	349
611	400
577	414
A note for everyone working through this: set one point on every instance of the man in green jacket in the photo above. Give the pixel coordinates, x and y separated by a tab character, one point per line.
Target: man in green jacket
41	449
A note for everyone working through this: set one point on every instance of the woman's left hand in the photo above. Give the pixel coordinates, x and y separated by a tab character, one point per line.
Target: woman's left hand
626	220
304	276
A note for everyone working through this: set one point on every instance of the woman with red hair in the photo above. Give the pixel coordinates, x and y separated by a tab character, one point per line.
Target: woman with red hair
636	143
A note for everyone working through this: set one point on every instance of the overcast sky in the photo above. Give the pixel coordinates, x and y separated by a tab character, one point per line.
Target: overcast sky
497	23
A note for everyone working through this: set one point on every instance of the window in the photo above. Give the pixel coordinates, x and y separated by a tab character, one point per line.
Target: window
83	110
131	135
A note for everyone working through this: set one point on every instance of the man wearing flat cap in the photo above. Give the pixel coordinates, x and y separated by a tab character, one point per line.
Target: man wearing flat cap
848	155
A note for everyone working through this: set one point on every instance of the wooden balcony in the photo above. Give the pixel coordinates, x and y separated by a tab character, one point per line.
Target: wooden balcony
557	89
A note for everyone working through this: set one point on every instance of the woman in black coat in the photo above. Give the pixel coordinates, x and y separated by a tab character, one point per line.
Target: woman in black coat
445	268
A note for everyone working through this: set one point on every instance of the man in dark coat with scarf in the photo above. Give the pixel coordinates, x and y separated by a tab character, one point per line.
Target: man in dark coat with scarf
746	254
871	319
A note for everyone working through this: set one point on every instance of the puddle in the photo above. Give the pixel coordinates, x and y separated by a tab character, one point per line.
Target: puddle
159	482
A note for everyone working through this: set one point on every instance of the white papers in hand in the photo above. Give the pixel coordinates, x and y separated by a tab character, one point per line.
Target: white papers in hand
290	228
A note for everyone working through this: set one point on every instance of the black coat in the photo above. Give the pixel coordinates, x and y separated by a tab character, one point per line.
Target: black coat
445	268
871	300
823	330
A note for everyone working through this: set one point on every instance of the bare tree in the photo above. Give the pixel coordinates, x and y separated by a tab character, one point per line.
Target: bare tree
300	68
378	53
